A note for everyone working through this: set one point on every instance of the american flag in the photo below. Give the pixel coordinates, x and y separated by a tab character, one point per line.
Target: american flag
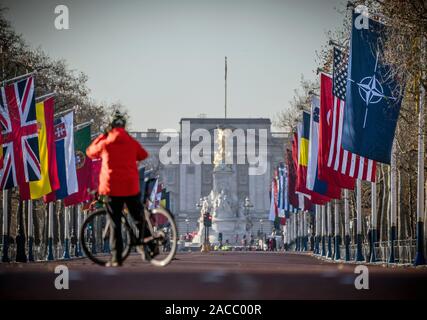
340	74
20	134
341	160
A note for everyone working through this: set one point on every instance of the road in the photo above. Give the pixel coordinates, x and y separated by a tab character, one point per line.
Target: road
227	275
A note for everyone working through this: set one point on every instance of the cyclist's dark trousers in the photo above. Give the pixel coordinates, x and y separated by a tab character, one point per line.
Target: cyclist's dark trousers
135	208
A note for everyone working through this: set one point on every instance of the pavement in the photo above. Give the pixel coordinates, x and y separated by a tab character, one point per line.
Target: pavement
212	276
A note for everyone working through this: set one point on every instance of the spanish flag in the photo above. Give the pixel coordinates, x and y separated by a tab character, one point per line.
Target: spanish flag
49	174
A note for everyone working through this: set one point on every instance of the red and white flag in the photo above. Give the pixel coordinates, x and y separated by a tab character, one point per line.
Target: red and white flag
336	164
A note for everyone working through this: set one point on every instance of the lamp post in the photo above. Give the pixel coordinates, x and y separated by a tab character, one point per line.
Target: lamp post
203	213
248	205
262	229
187	222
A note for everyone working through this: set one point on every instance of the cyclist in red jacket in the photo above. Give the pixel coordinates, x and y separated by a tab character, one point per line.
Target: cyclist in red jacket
119	177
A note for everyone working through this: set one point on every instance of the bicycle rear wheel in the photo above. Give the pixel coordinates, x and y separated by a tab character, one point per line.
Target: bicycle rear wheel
165	237
95	237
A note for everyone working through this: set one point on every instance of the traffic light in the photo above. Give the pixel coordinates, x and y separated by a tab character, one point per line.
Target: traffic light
207	219
220	237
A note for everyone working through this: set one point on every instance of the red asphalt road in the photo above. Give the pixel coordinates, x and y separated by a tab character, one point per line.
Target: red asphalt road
228	275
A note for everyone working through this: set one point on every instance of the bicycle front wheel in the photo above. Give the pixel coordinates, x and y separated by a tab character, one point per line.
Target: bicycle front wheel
165	236
95	237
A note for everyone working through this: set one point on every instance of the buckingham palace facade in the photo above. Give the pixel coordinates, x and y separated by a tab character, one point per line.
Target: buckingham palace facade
188	182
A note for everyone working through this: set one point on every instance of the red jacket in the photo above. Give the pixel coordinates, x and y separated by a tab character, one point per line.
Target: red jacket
119	153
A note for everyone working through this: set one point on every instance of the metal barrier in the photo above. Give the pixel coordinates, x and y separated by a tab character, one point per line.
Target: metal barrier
404	251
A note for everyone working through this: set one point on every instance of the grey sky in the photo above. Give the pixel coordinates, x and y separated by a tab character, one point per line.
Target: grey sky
165	59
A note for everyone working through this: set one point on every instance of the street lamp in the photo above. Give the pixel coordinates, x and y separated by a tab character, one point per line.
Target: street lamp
187	222
206	219
248	205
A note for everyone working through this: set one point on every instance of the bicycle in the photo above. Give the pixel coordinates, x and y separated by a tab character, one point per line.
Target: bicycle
95	235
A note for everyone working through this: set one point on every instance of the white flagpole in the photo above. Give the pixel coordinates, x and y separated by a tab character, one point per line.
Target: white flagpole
393	193
337	255
346	225
374	220
66	233
304	230
420	258
306	227
30	231
79	226
296	230
301	229
329	221
323	217
5	257
317	241
50	255
359	237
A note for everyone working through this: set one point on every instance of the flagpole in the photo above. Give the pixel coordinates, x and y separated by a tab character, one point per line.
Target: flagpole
66	233
79	225
50	239
5	257
225	87
301	230
420	257
83	125
374	220
337	255
21	254
305	230
46	96
296	227
302	218
300	240
30	231
4	82
393	215
56	115
329	221
359	237
346	225
296	230
324	253
316	238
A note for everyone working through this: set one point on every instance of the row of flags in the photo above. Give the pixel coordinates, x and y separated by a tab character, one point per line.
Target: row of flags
350	127
42	156
46	157
153	193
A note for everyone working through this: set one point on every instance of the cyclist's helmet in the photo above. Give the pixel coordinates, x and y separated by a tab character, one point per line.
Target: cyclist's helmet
118	120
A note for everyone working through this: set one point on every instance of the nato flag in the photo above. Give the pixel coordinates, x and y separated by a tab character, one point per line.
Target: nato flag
373	98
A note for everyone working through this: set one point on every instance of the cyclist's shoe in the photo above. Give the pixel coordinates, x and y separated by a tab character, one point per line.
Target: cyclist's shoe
151	250
113	264
154	249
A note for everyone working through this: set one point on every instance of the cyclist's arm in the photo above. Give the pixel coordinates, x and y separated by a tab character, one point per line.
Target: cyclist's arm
95	149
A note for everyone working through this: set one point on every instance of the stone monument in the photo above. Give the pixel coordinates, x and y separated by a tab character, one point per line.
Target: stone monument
228	216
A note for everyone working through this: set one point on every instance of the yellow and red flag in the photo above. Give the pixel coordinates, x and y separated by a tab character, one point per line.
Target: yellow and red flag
49	180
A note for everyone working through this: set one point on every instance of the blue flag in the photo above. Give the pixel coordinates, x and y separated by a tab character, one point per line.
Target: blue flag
373	98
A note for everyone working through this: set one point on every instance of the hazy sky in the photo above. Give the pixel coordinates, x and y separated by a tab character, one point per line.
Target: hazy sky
164	59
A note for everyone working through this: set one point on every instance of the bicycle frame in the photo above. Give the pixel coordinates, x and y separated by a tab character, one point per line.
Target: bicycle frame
134	241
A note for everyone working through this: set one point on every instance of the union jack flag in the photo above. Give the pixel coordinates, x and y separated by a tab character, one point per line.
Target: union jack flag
19	128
